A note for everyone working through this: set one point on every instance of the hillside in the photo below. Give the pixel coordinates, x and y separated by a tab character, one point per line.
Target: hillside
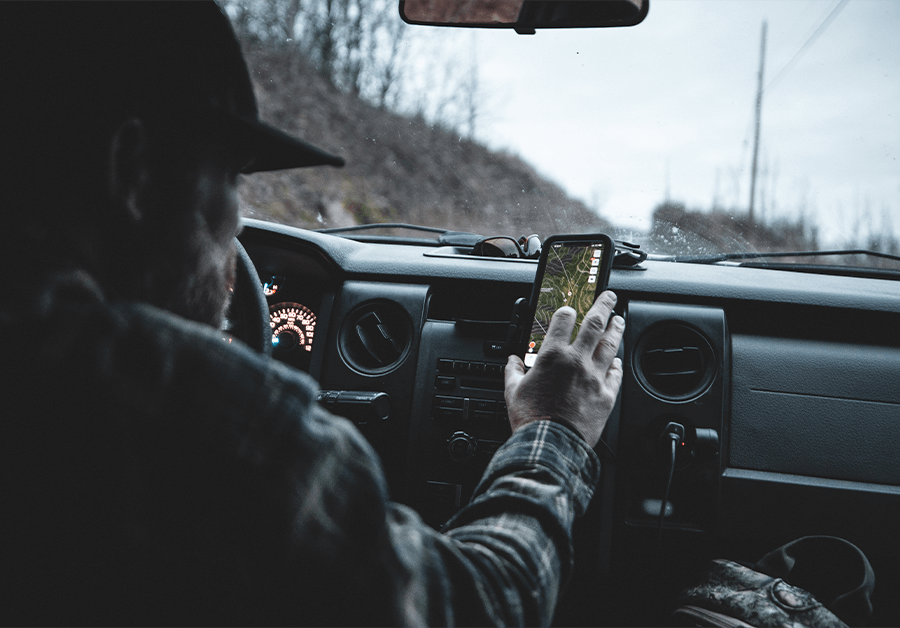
399	169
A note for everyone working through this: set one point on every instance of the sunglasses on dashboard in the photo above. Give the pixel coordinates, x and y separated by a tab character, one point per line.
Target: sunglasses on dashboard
526	247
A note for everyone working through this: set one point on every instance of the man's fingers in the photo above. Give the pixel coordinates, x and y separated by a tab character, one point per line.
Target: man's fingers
613	381
514	371
561	325
614	375
609	343
594	323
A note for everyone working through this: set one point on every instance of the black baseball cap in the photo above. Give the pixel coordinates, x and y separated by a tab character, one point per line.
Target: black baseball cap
272	148
89	61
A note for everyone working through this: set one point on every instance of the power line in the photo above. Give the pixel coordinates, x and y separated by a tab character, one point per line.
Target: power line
809	42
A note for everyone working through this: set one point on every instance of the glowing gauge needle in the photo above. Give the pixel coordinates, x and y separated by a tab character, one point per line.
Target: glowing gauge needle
293	325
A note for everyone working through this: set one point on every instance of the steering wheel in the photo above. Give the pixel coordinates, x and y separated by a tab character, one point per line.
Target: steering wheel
249	312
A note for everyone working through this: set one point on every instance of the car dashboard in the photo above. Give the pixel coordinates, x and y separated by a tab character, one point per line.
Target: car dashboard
786	384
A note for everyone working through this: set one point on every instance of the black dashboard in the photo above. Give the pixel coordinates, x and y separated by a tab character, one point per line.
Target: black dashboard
787	384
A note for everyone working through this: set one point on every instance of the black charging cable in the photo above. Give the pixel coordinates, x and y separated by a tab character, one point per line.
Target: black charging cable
672	436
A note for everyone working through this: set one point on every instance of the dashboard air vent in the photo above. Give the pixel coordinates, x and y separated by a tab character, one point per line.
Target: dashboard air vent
674	362
376	337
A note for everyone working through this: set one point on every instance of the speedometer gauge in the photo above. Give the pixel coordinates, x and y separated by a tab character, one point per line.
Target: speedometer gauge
293	325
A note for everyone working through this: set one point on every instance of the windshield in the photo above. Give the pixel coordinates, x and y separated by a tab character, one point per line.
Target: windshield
710	127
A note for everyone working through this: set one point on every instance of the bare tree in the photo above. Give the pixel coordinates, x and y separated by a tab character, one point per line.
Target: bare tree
385	54
470	91
363	47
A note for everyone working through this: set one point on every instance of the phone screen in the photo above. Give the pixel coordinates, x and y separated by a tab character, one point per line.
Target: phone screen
572	275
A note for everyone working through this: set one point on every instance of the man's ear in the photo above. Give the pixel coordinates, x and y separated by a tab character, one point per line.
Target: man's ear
128	171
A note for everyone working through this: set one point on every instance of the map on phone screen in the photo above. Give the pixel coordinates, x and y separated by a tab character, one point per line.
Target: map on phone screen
570	278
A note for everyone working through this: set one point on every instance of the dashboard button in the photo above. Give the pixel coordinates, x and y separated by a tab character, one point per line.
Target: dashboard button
494	348
483	405
446	414
449	402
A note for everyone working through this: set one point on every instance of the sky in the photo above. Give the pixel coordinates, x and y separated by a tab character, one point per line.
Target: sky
625	118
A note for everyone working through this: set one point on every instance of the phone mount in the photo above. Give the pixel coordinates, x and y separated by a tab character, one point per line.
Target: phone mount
515	334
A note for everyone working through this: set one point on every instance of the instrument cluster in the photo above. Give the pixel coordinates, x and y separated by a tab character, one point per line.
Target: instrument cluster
292	317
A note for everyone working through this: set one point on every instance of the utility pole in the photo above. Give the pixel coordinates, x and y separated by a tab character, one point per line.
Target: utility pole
759	91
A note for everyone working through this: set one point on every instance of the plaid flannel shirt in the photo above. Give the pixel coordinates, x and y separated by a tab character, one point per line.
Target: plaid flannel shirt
179	479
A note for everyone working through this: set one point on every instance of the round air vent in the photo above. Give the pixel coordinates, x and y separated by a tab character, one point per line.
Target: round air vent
376	337
674	362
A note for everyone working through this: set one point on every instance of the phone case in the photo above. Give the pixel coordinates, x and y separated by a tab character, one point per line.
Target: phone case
569	273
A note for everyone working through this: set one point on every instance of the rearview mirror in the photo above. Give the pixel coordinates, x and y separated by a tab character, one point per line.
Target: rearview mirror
525	15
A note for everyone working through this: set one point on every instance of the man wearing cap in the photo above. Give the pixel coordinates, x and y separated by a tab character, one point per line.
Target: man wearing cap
152	474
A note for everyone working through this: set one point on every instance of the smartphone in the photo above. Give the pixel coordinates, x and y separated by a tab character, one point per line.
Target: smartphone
572	270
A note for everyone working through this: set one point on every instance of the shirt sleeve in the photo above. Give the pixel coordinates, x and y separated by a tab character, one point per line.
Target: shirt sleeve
500	561
503	559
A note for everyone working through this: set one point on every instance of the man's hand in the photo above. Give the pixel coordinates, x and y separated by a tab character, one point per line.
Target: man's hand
573	384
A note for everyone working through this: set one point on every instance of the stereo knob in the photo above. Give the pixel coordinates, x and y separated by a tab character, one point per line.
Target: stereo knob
461	446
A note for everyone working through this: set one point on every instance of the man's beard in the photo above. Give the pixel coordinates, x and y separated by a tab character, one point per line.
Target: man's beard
206	287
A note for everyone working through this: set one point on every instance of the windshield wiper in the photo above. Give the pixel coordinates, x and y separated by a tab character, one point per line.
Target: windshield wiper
713	258
445	236
818	269
382	225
